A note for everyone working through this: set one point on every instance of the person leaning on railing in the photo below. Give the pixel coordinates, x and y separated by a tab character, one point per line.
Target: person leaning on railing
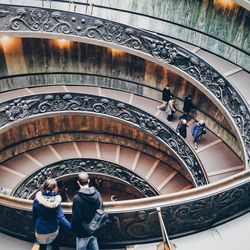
85	203
48	215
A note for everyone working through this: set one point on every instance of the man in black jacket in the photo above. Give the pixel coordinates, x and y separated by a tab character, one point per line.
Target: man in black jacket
85	203
187	106
166	96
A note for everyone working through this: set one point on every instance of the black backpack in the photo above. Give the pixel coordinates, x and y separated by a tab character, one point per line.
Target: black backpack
99	219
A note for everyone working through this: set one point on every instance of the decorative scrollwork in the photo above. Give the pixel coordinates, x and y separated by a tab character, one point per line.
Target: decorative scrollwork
162	50
140	228
39	20
66	167
113	33
18	109
149	123
45	103
208	211
58	103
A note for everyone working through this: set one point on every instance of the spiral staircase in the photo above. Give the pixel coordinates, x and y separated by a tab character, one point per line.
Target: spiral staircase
80	93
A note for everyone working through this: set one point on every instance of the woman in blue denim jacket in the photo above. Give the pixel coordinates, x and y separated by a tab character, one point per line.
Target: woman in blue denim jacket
48	215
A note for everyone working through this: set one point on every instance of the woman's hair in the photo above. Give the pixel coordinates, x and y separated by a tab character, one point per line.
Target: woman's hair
50	185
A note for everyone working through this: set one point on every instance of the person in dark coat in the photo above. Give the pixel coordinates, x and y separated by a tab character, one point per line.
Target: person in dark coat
182	128
48	215
187	106
166	96
85	203
198	130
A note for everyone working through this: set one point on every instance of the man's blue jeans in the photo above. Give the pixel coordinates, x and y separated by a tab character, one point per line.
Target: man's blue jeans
89	243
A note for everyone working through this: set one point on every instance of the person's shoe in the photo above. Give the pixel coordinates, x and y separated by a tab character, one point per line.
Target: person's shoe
35	246
195	146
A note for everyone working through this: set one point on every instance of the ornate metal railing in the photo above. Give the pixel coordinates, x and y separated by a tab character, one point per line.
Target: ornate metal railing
19	109
136	221
36	22
30	184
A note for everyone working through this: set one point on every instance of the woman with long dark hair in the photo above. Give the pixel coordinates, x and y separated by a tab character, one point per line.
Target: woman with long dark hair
48	215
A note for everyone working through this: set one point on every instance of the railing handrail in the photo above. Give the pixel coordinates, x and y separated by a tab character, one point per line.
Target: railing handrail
147	203
184	213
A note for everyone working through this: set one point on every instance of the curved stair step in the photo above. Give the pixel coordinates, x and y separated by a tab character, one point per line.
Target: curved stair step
46	155
109	152
218	175
163	177
177	183
23	163
219	161
9	178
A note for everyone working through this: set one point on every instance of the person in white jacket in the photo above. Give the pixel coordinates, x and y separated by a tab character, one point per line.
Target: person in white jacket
170	109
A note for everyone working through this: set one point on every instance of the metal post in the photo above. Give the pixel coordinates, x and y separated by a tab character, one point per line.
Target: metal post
73	4
86	9
91	8
166	241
